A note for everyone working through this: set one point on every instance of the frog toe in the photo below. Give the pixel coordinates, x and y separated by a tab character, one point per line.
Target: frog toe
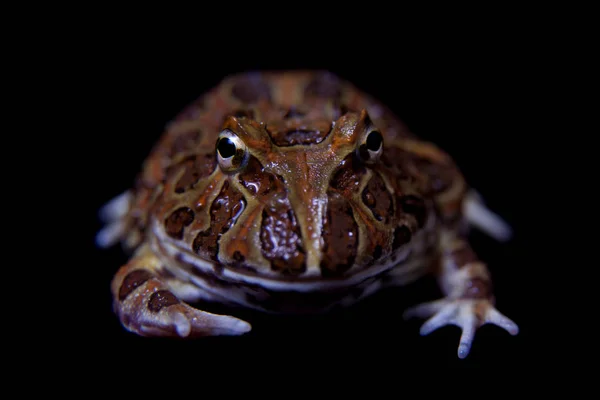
193	322
467	314
181	320
112	214
481	217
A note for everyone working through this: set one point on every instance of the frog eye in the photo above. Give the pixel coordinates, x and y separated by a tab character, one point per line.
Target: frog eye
232	152
371	147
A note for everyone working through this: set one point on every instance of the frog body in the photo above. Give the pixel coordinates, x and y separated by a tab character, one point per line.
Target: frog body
294	192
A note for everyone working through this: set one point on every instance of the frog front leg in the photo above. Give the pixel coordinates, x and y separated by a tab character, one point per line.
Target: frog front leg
469	300
150	305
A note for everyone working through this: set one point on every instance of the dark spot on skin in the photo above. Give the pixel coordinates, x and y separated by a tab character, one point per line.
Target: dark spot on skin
224	211
133	280
340	237
378	199
259	182
402	235
298	131
161	299
463	256
346	179
415	206
299	137
478	288
324	85
177	221
250	89
280	234
295	129
281	239
238	257
196	167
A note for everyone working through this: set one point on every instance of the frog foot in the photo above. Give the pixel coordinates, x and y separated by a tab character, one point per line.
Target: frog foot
159	318
148	306
467	314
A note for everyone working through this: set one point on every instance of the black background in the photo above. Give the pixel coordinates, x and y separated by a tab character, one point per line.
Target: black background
474	101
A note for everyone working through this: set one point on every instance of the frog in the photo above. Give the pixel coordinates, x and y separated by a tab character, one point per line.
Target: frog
294	192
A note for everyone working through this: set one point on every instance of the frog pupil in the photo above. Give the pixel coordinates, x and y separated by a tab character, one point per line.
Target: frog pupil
374	141
226	148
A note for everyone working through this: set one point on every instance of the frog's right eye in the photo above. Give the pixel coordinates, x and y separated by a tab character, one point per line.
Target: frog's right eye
232	152
371	148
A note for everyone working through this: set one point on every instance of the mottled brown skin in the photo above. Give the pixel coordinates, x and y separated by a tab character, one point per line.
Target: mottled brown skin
288	121
160	299
132	280
340	237
307	205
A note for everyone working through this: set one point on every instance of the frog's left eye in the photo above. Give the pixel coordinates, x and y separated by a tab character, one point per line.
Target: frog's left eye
232	152
371	147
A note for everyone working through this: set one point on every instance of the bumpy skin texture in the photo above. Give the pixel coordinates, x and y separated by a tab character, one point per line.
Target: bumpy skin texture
320	212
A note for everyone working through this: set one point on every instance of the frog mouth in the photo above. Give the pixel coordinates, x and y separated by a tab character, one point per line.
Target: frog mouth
191	266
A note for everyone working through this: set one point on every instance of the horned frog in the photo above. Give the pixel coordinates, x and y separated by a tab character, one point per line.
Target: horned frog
294	192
